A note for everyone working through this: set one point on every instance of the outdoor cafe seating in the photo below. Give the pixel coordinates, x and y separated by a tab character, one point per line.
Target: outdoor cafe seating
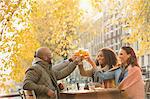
109	93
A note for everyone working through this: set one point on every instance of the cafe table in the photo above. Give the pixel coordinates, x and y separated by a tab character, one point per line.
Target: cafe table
99	93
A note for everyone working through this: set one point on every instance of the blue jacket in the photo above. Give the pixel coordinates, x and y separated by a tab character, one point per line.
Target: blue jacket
100	76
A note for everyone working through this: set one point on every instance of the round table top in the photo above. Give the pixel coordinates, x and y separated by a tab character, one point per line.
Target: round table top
91	91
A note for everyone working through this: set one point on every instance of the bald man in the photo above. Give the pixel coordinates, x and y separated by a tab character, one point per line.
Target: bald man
42	78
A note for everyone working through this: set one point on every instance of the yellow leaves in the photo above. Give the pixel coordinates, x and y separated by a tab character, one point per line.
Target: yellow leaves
129	40
18	73
58	24
17	45
97	4
5	88
134	13
140	53
144	48
4	80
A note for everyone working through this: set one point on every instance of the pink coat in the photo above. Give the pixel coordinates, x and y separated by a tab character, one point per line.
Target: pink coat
133	84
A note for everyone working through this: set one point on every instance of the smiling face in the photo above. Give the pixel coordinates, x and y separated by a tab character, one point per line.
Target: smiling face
44	53
101	58
47	56
123	56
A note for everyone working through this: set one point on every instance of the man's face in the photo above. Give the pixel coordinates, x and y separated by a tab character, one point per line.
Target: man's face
48	56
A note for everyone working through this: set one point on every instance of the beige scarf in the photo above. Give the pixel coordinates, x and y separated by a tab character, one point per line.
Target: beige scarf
133	84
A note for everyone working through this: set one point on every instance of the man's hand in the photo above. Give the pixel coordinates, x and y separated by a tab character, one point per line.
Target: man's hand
78	59
73	57
80	64
51	93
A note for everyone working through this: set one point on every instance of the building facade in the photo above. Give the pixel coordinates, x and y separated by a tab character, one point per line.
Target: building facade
111	35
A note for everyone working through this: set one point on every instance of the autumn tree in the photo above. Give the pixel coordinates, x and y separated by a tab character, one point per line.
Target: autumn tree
138	18
17	41
56	23
135	15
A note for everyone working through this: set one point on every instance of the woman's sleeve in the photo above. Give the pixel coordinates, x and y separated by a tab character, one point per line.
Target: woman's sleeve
83	72
102	76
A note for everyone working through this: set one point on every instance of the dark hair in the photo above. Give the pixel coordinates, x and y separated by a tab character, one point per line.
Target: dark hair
132	59
109	56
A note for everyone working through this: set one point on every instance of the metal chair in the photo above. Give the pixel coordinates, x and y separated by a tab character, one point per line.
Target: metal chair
27	94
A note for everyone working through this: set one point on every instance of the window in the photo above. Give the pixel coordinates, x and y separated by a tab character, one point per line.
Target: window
117	48
116	32
111	34
116	26
149	59
107	36
142	60
116	40
112	27
120	30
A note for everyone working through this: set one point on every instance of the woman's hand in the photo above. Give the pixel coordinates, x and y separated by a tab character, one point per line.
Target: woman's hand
88	59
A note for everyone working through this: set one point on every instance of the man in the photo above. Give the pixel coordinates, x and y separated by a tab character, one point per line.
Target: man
42	78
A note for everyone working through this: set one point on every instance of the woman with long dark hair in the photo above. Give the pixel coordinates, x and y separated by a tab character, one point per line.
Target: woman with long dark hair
106	59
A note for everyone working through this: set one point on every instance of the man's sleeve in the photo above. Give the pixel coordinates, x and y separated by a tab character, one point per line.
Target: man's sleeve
61	65
30	82
65	71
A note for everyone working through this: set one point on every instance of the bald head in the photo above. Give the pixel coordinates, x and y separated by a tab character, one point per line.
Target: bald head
44	53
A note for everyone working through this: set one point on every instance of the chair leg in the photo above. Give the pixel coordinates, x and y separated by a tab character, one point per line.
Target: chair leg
24	96
21	93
